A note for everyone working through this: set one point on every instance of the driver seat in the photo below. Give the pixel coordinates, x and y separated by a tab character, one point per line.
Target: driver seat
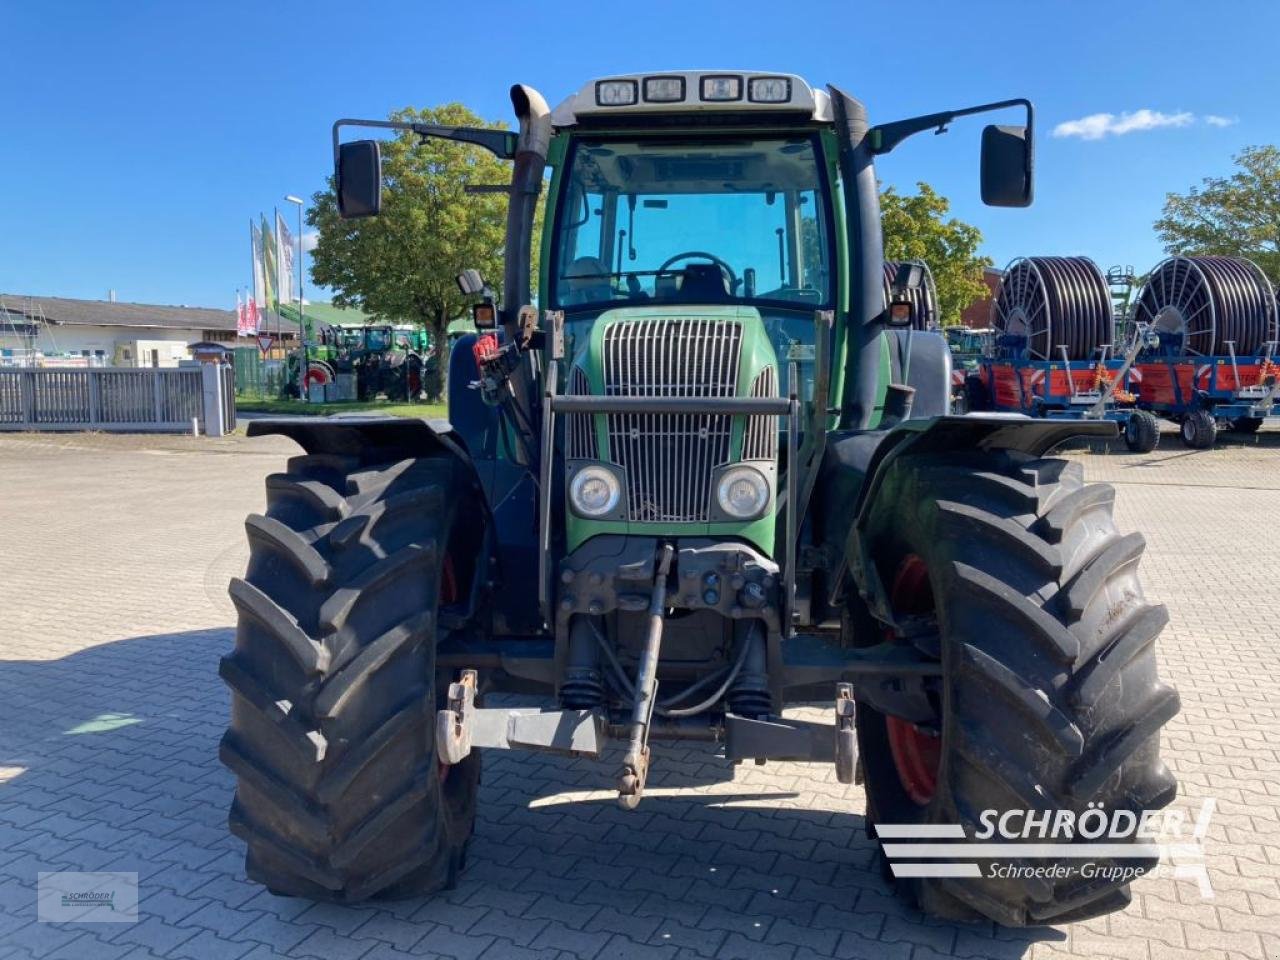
587	281
702	282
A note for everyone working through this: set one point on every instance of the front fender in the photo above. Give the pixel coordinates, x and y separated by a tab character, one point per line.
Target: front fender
856	463
373	439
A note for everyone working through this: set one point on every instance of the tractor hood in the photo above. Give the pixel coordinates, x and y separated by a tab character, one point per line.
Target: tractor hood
684	336
669	464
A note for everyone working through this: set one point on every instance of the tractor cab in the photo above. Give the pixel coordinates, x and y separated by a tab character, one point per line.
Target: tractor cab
688	260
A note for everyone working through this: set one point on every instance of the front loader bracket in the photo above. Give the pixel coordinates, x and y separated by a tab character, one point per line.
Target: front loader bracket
455	723
778	738
846	737
462	727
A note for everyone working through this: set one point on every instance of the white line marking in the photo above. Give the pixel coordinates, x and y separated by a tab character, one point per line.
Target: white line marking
1076	851
920	831
936	870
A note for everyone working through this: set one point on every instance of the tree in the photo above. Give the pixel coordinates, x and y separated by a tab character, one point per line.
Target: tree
1236	216
915	229
402	264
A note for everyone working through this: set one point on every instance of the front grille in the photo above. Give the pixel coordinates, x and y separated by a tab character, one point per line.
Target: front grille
580	428
760	439
669	458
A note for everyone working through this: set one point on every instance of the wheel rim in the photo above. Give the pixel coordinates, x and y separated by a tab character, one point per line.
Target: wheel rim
917	754
316	375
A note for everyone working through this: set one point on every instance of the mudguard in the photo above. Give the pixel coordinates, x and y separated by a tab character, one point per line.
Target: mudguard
371	438
929	371
509	494
856	462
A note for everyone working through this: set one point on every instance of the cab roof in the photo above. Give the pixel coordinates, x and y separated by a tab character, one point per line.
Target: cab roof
693	91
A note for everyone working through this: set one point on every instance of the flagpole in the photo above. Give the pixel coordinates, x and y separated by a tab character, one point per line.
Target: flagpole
275	227
302	326
253	267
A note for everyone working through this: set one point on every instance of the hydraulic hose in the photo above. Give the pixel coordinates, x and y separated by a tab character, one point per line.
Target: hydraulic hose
666	708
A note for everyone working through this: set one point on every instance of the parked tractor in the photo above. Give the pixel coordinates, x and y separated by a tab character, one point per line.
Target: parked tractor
713	475
386	360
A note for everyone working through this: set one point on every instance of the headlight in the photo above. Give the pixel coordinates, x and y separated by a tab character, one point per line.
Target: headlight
594	492
615	93
664	89
743	492
769	90
721	88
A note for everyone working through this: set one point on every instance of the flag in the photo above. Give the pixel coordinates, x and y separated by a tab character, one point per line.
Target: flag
269	267
251	318
259	298
284	243
242	327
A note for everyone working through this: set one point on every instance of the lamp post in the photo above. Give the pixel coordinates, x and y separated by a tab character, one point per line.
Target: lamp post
302	334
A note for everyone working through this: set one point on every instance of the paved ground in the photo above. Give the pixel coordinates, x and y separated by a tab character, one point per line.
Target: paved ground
114	556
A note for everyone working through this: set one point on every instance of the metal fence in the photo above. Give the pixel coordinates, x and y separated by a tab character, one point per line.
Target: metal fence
119	398
258	378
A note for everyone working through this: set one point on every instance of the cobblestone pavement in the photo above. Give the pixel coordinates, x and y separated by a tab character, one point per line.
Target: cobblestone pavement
114	557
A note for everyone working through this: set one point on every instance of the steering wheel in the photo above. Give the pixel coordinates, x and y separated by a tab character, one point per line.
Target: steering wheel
733	277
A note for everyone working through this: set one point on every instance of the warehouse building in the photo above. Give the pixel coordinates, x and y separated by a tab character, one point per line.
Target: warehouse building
58	331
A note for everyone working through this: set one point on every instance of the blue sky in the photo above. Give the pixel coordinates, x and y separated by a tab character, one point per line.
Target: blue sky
139	137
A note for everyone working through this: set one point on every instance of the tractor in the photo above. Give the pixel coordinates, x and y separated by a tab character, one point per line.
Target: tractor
710	476
394	361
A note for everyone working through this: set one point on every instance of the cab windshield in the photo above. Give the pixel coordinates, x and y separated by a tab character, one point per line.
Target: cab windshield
741	220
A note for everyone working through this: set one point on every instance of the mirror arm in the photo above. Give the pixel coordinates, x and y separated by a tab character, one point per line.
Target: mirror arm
886	136
501	143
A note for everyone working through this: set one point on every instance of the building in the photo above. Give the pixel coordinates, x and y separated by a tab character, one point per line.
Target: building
57	330
977	316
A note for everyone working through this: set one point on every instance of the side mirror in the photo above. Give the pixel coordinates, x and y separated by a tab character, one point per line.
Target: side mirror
1006	166
470	282
359	176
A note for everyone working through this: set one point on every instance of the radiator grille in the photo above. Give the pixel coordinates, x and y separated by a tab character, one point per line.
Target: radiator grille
760	440
579	428
669	458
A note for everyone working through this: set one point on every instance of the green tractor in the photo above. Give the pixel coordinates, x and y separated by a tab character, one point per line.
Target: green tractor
391	360
712	476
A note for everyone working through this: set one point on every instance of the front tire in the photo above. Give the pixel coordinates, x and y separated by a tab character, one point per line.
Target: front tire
339	795
1049	697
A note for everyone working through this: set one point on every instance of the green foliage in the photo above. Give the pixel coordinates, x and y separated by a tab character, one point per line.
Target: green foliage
916	228
385	408
1237	216
402	264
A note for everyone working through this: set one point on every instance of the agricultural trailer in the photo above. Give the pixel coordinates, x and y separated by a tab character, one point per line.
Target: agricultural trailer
1210	362
1053	353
